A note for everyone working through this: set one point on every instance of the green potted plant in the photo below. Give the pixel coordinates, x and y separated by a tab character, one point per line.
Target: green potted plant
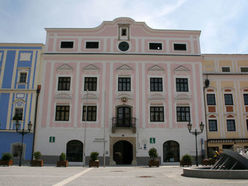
94	162
37	160
62	161
7	159
186	160
153	157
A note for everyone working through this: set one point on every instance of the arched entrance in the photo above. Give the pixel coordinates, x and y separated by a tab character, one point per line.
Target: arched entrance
123	152
74	151
171	151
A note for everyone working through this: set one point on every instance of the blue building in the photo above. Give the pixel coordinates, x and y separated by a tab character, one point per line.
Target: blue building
19	79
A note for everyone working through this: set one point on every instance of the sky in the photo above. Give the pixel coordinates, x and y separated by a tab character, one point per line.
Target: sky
223	23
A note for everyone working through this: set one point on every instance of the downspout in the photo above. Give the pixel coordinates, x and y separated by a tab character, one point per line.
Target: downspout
35	117
206	85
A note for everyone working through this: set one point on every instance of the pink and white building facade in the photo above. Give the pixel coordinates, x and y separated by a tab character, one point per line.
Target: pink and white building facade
123	83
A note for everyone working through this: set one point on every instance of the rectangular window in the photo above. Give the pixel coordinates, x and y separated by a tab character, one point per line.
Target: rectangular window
244	69
212	125
91	113
19	113
124	84
156	114
156	84
228	99
155	46
62	113
23	77
225	69
181	47
211	99
66	44
64	83
182	85
92	44
246	99
183	114
90	83
123	32
230	125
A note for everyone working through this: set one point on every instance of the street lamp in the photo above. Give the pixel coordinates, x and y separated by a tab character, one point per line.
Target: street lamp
195	133
22	132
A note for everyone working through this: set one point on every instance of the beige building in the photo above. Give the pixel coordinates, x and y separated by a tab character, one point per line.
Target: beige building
226	99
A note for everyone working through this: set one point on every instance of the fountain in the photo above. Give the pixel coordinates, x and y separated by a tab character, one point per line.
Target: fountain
230	165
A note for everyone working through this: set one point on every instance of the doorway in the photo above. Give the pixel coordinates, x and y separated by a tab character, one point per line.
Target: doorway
74	151
171	151
123	152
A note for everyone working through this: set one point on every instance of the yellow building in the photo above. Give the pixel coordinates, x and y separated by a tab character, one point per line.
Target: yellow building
226	99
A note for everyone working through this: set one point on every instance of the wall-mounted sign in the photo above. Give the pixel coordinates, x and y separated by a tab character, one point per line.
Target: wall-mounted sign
152	140
52	139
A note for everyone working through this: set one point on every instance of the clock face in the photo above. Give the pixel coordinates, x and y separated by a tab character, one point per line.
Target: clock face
123	46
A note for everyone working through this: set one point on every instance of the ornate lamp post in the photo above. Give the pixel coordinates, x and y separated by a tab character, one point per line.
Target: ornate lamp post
196	133
22	132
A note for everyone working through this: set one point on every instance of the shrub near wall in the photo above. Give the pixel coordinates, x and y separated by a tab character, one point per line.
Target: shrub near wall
186	160
6	159
37	162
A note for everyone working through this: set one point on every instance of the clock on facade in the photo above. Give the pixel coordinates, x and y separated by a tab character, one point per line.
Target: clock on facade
123	46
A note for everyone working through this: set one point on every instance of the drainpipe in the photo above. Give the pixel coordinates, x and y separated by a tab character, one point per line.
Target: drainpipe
206	85
35	117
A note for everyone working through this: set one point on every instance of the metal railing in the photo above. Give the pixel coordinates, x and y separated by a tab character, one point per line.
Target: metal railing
129	122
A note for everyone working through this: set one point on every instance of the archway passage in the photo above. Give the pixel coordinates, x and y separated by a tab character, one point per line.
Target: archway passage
74	151
123	152
171	151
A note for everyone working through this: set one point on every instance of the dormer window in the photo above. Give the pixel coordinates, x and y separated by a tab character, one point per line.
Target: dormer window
66	44
180	46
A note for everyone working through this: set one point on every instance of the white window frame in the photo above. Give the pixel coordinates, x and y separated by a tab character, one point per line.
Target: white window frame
67	41
97	81
57	83
89	104
62	104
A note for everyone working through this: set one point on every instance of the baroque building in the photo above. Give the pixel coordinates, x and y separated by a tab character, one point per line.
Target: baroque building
226	101
120	89
19	77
